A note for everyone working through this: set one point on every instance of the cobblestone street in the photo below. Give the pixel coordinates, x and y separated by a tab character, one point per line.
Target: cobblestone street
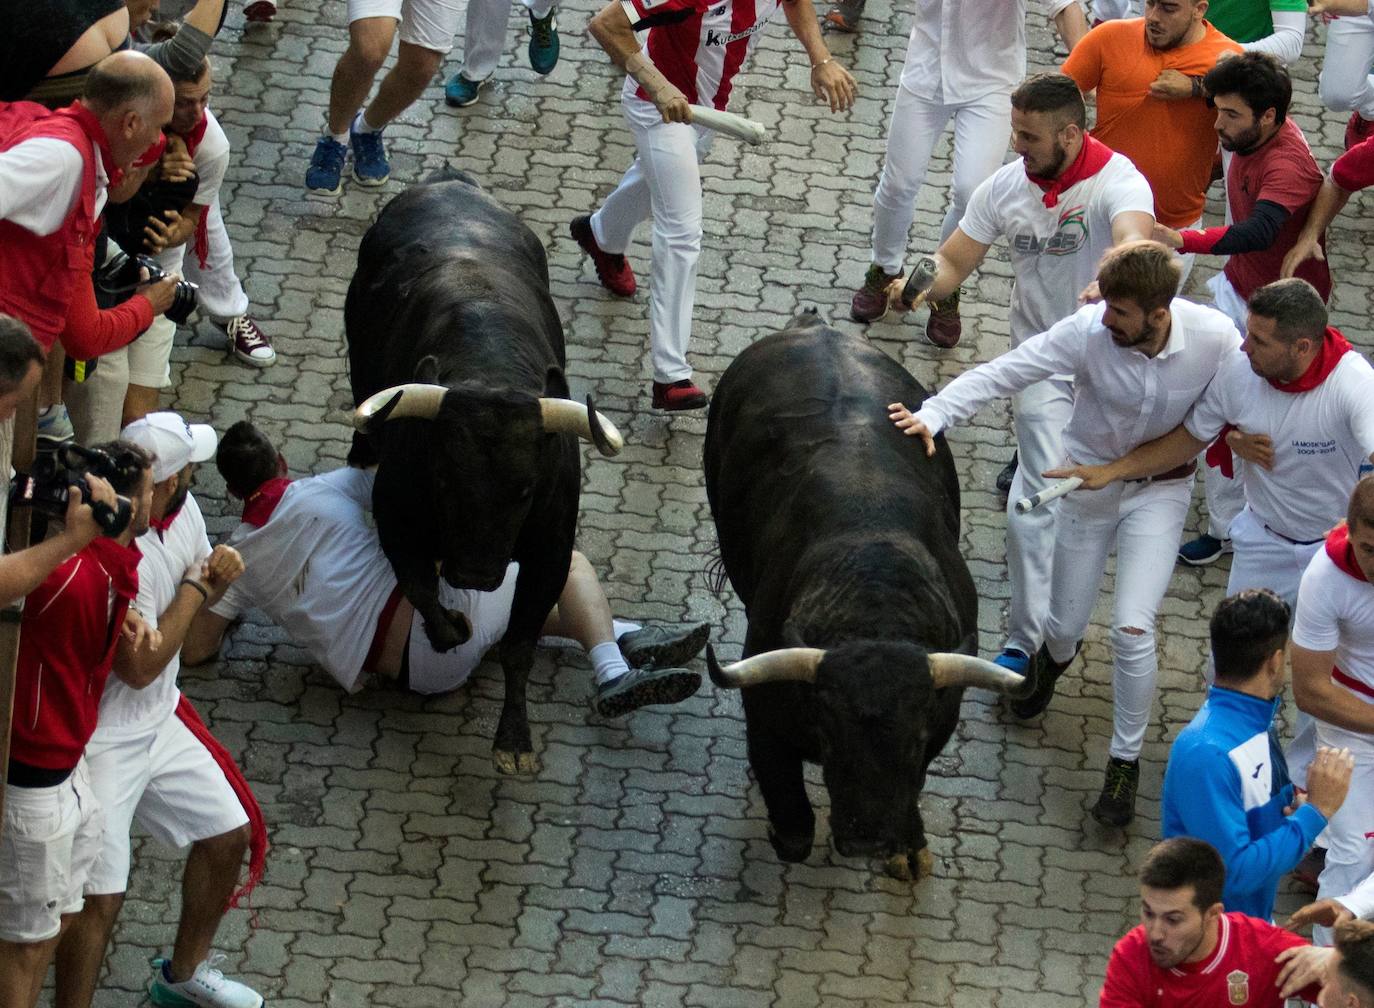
633	869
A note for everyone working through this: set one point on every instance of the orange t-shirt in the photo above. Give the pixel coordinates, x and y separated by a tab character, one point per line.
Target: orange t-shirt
1173	143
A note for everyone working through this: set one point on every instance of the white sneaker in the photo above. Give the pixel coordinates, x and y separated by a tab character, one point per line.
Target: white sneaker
207	988
55	424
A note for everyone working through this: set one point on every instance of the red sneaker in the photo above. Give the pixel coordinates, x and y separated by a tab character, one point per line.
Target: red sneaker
944	327
1357	130
612	270
678	395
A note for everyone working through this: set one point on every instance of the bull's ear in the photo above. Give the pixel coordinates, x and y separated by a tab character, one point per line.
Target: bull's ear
427	371
555	384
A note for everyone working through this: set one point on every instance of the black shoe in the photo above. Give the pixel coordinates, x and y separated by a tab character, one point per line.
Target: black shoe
1116	805
641	687
1046	671
657	646
1007	474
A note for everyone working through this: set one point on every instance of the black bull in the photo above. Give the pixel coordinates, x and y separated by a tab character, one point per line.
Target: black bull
841	538
456	359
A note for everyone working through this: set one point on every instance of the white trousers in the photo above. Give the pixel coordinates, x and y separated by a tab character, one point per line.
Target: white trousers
1226	497
1143	521
664	183
484	38
1112	10
1350	833
221	295
1345	84
1040	413
981	130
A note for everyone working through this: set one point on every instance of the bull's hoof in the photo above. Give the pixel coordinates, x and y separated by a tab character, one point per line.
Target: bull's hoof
790	848
510	763
899	866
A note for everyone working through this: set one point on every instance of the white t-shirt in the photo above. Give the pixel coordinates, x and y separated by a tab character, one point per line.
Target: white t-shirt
1055	251
40	181
963	49
212	161
167	556
1322	439
317	569
1121	397
1336	613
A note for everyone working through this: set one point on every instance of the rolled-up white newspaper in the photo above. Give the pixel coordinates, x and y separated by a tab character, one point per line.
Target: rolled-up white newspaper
730	124
1048	494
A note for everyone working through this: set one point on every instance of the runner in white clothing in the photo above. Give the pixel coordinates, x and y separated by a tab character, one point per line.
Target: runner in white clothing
963	60
1060	208
693	51
1140	360
1333	681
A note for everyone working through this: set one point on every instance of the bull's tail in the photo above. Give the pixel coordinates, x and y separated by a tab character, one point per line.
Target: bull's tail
448	173
716	576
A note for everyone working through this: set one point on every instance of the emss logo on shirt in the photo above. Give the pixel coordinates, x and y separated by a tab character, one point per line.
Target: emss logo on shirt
1070	235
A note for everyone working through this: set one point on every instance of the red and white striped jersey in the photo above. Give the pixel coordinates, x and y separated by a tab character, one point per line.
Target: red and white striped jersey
698	45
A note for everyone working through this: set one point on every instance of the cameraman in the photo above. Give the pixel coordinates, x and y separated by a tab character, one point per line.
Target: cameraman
52	824
21	363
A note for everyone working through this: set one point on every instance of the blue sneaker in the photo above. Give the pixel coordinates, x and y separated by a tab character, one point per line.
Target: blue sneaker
370	166
1203	550
326	167
1014	660
460	92
543	43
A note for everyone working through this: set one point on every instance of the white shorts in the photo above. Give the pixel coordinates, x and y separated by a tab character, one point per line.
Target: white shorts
429	24
49	841
150	355
489	613
170	782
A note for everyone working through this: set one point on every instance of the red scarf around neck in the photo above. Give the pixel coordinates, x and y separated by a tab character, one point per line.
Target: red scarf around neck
90	125
1334	347
1092	158
263	501
202	239
1339	550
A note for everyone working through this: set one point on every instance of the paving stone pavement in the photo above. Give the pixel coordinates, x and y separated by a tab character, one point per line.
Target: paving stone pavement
634	869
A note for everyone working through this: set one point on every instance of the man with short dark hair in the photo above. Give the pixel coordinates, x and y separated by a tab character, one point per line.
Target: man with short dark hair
1350	974
1140	360
1225	784
1188	951
1059	208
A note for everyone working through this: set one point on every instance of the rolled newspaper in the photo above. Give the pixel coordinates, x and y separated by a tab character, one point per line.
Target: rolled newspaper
1048	494
730	124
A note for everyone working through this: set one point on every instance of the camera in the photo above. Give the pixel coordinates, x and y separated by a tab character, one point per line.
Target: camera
48	486
120	275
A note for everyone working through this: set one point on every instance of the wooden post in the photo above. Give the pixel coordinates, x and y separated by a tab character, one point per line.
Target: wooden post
24	445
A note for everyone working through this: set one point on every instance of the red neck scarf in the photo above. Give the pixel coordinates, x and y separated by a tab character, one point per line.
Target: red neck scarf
202	238
120	563
1338	549
263	501
1334	347
1092	158
90	125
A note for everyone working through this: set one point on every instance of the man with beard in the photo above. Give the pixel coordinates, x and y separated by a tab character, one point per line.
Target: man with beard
1147	73
1271	182
1060	208
1140	359
152	758
1187	951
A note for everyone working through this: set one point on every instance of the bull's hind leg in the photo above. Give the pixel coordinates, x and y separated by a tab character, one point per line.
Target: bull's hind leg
513	750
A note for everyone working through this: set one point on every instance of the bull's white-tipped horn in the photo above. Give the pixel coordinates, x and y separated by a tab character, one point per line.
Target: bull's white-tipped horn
796	664
954	669
563	416
413	400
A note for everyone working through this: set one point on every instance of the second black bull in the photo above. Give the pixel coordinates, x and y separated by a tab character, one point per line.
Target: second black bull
456	358
842	540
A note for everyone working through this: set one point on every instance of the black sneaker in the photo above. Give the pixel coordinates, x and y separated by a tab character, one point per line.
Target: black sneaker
641	687
1007	474
1116	805
1047	671
656	646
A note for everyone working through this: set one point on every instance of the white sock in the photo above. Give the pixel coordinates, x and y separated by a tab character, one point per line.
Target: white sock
360	124
608	662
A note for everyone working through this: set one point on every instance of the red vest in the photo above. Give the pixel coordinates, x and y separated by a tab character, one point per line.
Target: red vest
40	273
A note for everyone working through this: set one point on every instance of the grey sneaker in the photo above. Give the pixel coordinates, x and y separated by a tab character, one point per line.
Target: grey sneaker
640	687
655	646
55	427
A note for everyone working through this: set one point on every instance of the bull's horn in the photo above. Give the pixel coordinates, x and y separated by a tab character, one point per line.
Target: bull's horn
797	664
563	416
959	670
413	400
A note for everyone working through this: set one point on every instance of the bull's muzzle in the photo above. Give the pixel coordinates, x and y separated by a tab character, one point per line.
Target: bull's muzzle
947	669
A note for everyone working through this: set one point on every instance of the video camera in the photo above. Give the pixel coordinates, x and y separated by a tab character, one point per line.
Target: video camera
47	487
121	275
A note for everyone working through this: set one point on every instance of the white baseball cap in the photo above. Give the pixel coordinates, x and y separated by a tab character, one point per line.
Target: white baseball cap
172	441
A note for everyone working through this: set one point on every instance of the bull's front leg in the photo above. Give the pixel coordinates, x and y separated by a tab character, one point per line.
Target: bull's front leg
444	628
777	767
513	750
916	862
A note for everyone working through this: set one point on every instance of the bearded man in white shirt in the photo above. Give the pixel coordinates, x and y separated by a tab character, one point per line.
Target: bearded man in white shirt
1140	360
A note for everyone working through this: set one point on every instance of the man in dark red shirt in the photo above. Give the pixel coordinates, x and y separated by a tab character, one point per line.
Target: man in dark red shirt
52	822
1188	952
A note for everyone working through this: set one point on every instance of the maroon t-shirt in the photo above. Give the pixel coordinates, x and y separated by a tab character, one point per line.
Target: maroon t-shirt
1283	171
1354	170
1240	971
